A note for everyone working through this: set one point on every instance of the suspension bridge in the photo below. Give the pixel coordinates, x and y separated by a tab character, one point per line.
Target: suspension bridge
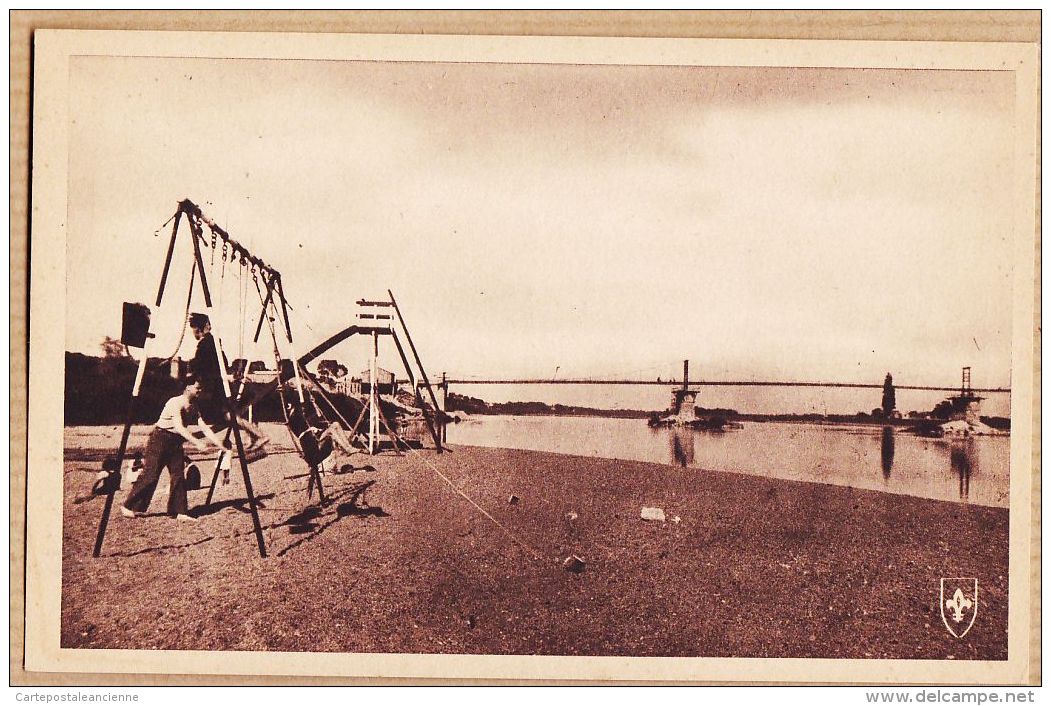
707	383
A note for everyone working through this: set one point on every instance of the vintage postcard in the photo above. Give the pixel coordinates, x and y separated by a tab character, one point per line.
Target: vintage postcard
523	358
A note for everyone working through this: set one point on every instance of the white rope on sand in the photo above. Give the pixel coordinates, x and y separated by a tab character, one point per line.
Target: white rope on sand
510	535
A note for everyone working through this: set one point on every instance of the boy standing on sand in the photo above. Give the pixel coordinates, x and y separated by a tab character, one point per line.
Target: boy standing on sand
164	450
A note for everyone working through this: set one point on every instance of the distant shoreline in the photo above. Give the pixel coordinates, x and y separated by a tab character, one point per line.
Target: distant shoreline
636	414
475	407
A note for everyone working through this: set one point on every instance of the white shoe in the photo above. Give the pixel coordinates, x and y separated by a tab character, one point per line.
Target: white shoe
185	518
131	514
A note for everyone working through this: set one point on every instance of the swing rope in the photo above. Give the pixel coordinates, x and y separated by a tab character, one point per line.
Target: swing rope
314	385
277	365
185	319
244	311
280	386
284	413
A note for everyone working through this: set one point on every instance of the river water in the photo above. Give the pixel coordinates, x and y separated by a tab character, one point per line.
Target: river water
974	470
752	400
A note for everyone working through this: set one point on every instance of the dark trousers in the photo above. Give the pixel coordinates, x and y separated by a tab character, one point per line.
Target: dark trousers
163	450
212	405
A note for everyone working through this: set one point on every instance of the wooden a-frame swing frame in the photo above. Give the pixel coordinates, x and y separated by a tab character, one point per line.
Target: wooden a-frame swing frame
272	278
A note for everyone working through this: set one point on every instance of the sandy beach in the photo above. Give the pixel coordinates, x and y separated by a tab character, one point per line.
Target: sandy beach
397	561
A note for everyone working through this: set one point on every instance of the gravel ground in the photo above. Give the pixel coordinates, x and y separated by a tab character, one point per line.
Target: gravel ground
398	562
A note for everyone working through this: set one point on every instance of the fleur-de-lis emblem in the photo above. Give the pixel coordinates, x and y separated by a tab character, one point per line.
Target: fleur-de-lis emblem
958	603
960	610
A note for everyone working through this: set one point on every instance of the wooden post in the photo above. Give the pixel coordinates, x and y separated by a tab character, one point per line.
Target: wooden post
168	257
374	419
394	438
357	423
416	391
288	334
445	406
222	463
408	368
415	354
122	450
266	304
230	402
443	388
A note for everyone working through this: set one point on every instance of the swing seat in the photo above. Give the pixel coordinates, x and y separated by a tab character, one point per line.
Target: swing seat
328	465
106	484
135	325
109	478
193	477
314	451
254	453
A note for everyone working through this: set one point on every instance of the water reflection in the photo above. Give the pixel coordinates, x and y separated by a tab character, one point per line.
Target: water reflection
681	446
886	451
846	455
963	457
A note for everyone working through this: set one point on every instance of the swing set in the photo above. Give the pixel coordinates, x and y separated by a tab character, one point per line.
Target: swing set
135	333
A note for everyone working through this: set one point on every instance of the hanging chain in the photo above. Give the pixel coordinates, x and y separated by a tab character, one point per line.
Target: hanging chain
242	283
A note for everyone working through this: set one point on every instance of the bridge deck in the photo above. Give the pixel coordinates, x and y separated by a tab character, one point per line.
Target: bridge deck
715	383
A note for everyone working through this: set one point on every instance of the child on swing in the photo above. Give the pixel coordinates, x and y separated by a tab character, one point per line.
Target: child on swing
326	429
205	367
312	419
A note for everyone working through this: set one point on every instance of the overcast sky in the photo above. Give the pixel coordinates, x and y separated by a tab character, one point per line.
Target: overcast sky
786	223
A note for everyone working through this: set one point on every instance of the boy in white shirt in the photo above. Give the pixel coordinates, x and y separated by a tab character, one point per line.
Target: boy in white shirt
164	449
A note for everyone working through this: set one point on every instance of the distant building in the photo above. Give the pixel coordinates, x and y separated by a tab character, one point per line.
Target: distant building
359	384
259	373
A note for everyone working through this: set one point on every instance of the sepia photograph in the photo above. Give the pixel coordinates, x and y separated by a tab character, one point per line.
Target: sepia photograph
360	347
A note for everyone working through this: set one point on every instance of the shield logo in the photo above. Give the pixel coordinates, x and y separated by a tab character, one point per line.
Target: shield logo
959	604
